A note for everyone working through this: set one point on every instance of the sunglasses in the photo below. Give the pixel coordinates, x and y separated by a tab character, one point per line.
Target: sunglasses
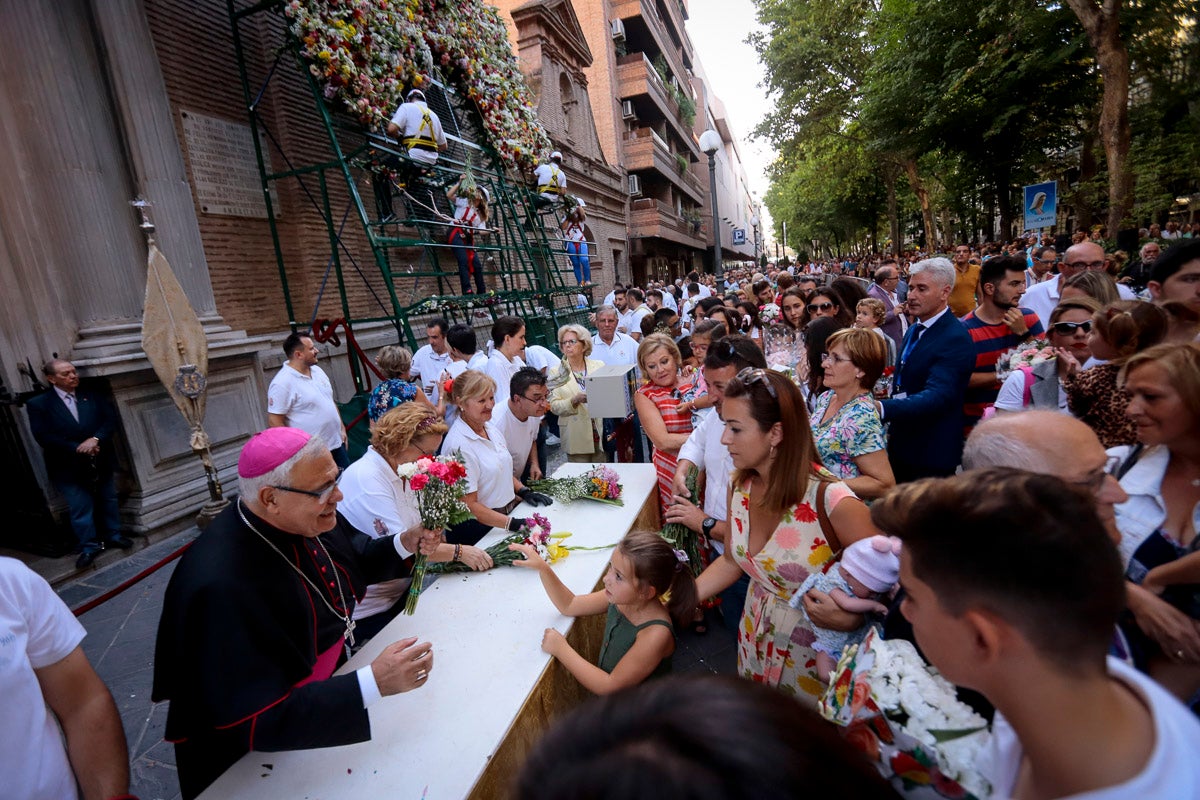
815	307
752	375
1069	328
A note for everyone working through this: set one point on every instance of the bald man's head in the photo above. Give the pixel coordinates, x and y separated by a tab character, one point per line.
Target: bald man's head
1049	443
1082	256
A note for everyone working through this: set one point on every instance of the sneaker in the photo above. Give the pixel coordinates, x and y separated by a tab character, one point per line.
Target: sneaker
86	558
552	440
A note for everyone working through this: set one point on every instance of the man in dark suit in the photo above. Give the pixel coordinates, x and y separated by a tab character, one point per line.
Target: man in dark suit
887	278
75	429
936	361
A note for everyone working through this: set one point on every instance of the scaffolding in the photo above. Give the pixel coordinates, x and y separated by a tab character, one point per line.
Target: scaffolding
523	258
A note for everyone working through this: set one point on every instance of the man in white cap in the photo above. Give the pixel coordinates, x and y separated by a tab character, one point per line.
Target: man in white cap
551	181
258	615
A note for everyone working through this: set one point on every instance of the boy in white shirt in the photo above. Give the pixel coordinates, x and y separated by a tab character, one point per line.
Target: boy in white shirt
1014	588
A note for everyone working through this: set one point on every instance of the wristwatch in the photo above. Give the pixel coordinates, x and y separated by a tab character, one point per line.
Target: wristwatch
708	524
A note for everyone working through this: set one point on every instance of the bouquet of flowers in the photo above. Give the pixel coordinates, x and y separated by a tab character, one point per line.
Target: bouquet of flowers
1027	354
681	536
907	719
600	483
439	484
883	386
770	314
535	533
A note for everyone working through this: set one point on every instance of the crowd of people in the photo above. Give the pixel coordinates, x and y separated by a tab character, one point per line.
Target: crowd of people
1043	513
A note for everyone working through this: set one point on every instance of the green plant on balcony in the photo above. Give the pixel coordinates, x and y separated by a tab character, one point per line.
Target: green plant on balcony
687	108
620	48
664	72
681	163
693	218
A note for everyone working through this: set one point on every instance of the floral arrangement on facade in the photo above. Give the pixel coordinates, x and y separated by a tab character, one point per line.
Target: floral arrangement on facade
368	52
365	52
600	483
439	485
908	720
680	536
1027	354
438	303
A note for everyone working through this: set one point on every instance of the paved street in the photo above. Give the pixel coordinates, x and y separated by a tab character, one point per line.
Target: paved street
120	644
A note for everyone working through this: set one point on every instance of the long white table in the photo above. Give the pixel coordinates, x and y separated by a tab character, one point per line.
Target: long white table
487	695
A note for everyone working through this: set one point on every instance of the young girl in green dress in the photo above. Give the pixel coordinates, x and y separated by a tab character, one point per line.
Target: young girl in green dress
648	587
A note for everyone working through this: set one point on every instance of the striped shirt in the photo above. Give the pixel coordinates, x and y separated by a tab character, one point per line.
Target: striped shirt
991	341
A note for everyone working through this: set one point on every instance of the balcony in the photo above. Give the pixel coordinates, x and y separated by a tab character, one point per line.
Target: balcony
643	13
645	151
654	219
637	78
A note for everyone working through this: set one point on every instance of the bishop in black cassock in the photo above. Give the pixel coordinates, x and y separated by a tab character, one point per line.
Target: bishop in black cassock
256	619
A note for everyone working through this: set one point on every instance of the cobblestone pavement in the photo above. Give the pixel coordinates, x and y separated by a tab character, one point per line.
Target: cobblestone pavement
120	645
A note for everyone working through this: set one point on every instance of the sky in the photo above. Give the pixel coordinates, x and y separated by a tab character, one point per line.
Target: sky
718	29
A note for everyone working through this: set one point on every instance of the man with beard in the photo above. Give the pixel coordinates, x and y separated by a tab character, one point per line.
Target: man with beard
997	325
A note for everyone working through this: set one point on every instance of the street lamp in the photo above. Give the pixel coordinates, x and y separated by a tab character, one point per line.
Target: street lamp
710	143
754	224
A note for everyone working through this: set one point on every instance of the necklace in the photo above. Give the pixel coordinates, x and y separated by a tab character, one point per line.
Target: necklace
345	618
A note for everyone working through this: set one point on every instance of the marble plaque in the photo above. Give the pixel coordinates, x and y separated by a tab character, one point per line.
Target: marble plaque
224	169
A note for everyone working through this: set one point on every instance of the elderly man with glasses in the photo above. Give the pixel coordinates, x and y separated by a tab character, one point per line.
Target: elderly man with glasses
1043	297
259	615
884	289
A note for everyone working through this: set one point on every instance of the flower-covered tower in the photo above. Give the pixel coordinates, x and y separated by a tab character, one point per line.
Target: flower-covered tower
359	59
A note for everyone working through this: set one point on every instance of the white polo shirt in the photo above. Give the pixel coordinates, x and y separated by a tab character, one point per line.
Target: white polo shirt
541	358
489	464
704	449
378	503
36	631
518	436
427	366
501	370
307	402
623	349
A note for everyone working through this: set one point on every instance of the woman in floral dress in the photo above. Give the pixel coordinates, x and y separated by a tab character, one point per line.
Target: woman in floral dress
846	425
657	404
776	535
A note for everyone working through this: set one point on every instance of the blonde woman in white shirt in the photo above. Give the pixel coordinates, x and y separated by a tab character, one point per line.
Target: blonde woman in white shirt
492	490
378	503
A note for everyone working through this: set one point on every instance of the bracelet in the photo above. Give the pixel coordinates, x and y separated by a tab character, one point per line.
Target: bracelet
458	552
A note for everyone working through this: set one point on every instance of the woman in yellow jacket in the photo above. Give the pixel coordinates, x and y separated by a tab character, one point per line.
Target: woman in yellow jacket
581	435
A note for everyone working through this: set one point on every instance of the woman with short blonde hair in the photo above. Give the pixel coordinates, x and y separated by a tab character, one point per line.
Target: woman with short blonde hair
582	436
378	503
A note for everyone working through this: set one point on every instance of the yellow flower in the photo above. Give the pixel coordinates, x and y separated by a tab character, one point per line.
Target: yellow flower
324	55
768	564
810	686
819	556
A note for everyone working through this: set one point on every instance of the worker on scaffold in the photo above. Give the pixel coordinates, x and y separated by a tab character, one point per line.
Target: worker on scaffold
420	132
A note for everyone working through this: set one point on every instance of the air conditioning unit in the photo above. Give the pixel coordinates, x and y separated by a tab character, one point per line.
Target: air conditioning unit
618	29
635	186
627	111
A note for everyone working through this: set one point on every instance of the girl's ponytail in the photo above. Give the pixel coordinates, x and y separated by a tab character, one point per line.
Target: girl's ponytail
1130	326
656	564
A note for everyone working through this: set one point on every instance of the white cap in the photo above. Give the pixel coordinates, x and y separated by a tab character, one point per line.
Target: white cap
416	94
556	156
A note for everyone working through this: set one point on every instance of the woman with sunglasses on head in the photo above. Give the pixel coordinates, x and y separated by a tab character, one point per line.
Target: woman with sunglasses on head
378	503
1041	386
846	425
788	517
581	435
